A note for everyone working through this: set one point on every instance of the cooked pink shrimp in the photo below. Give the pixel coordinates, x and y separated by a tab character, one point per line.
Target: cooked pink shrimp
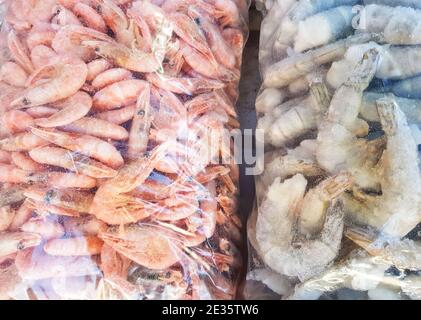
116	19
65	180
90	17
66	77
46	228
68	40
78	246
97	67
72	109
19	52
23	214
5	157
225	12
118	94
13	74
98	128
17	121
12	242
185	85
118	116
69	4
222	52
87	225
22	142
72	161
88	145
35	264
42	33
141	123
132	59
63	17
7	215
41	111
235	38
42	209
111	76
24	162
42	55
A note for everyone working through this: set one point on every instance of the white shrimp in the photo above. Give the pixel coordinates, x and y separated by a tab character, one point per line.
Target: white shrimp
287	70
275	235
339	149
399	25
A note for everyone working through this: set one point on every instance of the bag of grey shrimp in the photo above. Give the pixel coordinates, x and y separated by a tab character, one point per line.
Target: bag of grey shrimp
338	206
117	179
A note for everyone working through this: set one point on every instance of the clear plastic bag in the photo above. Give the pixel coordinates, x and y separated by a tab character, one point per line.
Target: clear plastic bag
338	203
116	177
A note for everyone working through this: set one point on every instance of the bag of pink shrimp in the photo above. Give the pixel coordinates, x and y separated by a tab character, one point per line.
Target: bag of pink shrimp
116	177
338	206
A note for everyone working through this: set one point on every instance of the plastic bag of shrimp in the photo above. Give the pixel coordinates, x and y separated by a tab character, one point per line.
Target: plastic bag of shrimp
117	180
338	206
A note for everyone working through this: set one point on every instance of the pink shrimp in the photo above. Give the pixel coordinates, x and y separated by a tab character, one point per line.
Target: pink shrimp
110	76
72	109
23	214
63	17
5	157
12	242
19	52
139	131
87	225
42	55
22	142
47	229
42	33
98	128
77	246
16	121
118	116
66	77
24	162
118	94
13	74
44	210
88	145
72	161
35	264
184	85
69	4
7	214
97	67
90	17
41	112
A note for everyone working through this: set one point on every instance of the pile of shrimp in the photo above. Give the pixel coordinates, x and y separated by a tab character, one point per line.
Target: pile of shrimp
113	122
339	200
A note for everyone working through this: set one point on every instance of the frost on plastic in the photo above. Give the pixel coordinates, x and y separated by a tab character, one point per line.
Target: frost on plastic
338	204
112	124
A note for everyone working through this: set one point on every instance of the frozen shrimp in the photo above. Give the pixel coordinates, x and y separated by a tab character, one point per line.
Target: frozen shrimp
118	94
41	33
97	67
41	111
88	145
268	99
88	225
42	55
398	25
13	74
67	76
7	215
11	195
407	88
12	242
110	76
274	232
22	142
5	157
46	228
34	265
19	52
74	108
24	162
72	161
118	116
78	246
90	17
333	24
285	71
97	128
17	121
23	214
64	16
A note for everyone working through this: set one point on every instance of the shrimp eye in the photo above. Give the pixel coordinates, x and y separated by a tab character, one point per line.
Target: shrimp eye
20	245
197	20
141	112
49	195
34	214
146	154
26	101
97	49
58	11
98	9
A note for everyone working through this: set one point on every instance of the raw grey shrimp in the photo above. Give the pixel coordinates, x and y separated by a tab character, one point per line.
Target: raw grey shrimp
338	147
66	77
275	235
